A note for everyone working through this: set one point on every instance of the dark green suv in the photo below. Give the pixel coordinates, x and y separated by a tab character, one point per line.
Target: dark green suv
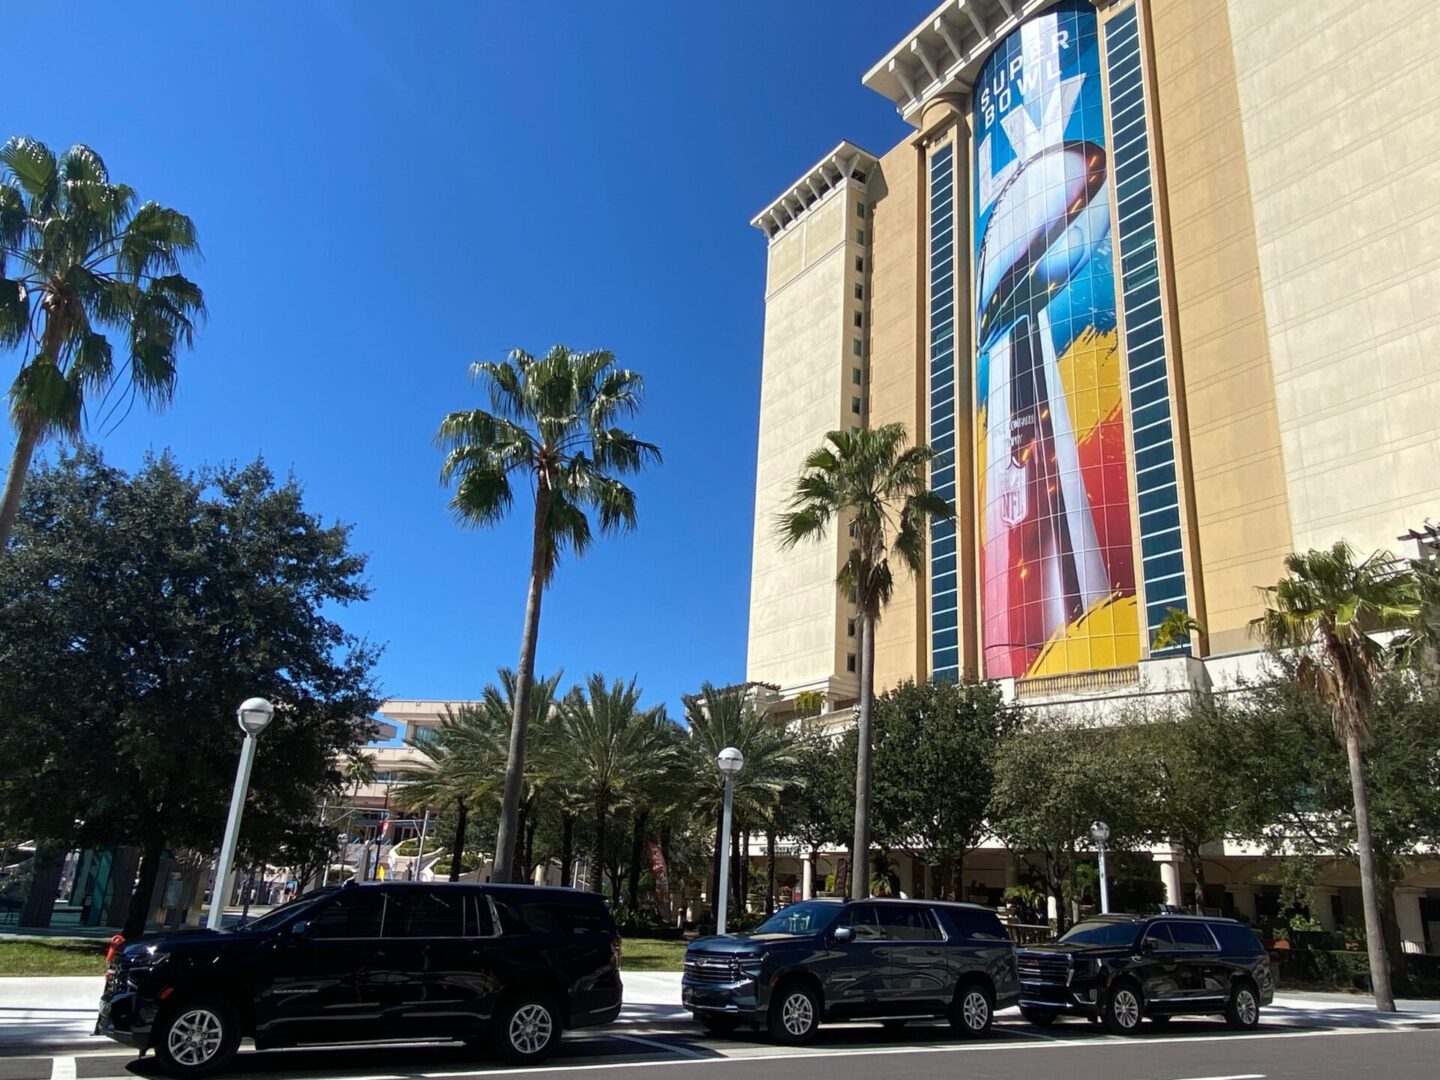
831	960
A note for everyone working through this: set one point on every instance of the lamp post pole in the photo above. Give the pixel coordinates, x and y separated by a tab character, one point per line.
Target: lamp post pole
730	761
1101	832
252	716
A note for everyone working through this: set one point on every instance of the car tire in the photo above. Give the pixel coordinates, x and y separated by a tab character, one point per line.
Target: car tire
1122	1008
794	1014
526	1028
199	1037
1038	1017
1242	1012
719	1025
973	1010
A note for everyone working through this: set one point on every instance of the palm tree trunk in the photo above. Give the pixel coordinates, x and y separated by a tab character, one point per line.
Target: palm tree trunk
770	870
736	866
151	851
859	863
524	679
517	871
567	846
25	442
715	868
1197	868
1374	930
637	846
457	847
601	821
530	828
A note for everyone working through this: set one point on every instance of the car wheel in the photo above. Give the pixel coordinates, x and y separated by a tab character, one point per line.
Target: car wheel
1243	1011
527	1027
1122	1010
719	1025
1038	1017
794	1014
972	1011
198	1038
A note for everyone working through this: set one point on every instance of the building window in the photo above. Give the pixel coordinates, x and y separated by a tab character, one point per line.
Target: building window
855	405
855	376
859	209
849	627
859	264
857	347
859	291
859	319
860	236
850	662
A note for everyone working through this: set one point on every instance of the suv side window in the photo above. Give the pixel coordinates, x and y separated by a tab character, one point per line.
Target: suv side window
861	919
977	925
478	922
560	918
1159	936
1236	940
1192	937
905	923
356	913
425	913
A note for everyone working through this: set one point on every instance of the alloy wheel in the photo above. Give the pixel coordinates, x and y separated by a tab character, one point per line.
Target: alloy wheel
194	1037
530	1029
1245	1007
1125	1007
798	1014
975	1011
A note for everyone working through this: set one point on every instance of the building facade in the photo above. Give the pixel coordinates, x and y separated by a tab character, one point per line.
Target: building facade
1159	281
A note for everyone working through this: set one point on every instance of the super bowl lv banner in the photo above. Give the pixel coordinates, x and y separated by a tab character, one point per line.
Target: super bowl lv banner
1057	565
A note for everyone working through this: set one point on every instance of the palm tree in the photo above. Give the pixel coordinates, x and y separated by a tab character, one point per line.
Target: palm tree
613	748
1327	609
1174	630
550	426
870	481
716	718
86	261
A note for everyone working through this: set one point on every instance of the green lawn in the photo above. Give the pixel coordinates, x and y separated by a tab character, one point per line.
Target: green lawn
52	958
651	954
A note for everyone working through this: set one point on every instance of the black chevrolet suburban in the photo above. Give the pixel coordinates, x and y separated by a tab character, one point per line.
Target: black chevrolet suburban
889	960
1121	969
508	966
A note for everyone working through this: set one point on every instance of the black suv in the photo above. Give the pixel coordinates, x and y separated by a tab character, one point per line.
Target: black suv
505	965
890	960
1123	968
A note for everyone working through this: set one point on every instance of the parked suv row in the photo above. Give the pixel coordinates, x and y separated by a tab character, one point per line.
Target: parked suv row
509	967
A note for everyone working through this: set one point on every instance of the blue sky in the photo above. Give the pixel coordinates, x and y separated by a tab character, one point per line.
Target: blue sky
387	192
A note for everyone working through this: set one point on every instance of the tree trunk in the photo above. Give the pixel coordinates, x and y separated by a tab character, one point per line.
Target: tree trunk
1374	930
517	871
1197	867
601	824
48	864
151	851
457	847
531	825
524	680
715	868
637	848
26	440
1394	944
736	868
860	860
567	847
770	870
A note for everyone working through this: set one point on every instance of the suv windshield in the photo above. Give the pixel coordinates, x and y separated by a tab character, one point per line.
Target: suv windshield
285	912
1117	934
809	917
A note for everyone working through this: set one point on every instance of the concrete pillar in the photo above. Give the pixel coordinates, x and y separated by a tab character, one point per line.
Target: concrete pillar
807	877
1012	871
1322	908
1052	909
1244	896
1407	914
1170	875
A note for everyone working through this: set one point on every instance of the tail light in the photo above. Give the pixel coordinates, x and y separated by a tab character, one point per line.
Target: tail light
116	944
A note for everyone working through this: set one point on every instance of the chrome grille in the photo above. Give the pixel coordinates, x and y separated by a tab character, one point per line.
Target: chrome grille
712	967
1043	968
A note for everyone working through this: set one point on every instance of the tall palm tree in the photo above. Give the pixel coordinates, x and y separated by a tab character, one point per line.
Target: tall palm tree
716	718
1327	609
613	747
872	483
1174	630
550	426
85	262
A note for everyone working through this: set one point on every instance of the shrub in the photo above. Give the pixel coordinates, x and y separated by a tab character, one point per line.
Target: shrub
1344	969
468	862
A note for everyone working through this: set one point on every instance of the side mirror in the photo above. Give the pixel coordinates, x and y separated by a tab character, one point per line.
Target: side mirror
299	929
844	933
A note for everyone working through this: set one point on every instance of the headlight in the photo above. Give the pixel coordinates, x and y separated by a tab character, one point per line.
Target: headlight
1085	969
751	966
149	957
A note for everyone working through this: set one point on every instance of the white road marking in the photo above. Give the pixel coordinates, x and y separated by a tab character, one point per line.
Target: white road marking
62	1068
1237	1076
669	1048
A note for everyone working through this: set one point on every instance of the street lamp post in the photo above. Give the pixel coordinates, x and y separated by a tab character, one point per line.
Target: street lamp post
729	761
1101	832
252	716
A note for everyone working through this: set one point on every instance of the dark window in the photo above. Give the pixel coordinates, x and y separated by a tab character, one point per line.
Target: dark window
850	661
900	922
1101	932
859	265
861	919
859	291
356	914
976	925
412	913
552	918
859	319
1159	936
478	921
1236	940
1192	936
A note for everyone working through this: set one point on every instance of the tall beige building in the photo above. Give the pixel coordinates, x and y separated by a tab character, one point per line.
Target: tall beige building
1159	280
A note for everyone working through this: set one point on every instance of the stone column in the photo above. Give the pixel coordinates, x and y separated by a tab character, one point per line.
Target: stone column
1170	875
807	877
1322	910
1407	914
1244	901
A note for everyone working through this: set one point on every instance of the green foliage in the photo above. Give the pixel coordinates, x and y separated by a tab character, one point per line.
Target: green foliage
1174	630
809	703
1336	970
469	863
